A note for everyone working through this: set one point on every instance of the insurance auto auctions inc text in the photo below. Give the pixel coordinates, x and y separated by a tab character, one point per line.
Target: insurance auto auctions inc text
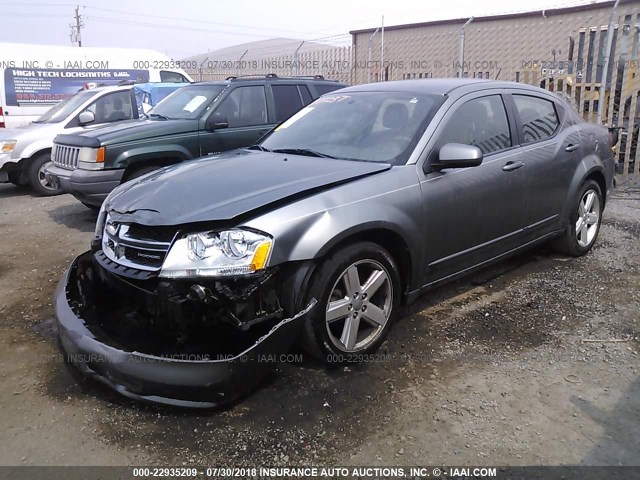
352	472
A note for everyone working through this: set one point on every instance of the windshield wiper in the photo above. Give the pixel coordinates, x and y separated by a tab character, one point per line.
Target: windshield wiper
157	115
302	151
258	147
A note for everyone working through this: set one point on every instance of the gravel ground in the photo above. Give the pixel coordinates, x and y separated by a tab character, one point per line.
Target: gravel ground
532	362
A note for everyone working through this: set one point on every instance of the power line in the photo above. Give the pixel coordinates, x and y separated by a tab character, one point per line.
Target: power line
163	17
6	14
117	21
205	22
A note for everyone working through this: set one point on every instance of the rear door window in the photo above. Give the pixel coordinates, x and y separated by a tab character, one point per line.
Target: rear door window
304	93
287	100
538	117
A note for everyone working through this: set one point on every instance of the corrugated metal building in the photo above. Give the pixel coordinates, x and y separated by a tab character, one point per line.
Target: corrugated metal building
502	46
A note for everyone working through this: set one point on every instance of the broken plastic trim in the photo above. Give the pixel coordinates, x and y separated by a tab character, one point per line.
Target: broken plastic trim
242	355
183	382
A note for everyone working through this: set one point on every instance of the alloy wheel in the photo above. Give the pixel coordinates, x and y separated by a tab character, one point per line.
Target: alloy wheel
357	311
588	218
43	179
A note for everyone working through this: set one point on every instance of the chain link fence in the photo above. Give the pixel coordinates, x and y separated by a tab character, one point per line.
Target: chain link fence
514	50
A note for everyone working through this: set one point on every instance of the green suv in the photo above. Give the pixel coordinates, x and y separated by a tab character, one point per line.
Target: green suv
194	121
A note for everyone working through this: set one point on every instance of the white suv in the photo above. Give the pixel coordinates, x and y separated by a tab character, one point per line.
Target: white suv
26	150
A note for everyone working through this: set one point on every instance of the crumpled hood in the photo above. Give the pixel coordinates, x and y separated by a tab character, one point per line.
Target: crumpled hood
228	185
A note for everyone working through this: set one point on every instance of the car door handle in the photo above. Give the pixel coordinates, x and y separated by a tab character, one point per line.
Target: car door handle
510	166
571	148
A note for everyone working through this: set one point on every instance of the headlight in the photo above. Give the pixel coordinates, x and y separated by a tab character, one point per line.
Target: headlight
217	254
92	155
7	146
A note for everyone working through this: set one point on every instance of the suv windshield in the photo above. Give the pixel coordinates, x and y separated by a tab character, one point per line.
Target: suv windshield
65	108
186	103
368	126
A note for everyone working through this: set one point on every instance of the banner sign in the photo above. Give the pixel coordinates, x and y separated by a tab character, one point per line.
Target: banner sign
36	86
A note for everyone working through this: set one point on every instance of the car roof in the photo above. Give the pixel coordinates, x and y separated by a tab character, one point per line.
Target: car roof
437	86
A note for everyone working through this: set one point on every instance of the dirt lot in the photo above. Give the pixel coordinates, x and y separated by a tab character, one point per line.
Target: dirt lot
489	370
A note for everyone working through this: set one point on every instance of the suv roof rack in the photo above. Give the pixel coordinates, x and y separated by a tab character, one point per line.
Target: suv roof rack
255	76
273	75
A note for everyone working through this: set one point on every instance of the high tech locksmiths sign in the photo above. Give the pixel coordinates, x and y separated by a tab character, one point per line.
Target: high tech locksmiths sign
37	86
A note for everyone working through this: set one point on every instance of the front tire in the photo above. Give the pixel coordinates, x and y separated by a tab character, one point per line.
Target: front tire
358	291
37	179
18	178
585	219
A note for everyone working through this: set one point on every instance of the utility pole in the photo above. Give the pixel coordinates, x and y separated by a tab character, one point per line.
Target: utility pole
75	35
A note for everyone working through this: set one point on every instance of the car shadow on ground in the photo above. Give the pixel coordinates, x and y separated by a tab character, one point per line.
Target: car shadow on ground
13	191
75	216
621	439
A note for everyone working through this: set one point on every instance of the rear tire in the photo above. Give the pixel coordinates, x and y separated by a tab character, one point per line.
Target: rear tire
585	218
358	290
36	177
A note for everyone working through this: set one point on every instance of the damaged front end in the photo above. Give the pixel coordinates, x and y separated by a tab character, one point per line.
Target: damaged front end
172	341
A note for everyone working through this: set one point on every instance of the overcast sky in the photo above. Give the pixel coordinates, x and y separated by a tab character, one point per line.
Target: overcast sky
188	27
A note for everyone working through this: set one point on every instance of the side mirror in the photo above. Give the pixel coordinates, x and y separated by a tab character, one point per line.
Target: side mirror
458	155
216	121
86	117
146	108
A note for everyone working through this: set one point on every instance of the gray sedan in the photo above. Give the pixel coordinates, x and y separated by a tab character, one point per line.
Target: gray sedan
201	274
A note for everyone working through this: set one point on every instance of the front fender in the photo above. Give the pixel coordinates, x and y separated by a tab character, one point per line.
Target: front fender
313	236
34	148
151	152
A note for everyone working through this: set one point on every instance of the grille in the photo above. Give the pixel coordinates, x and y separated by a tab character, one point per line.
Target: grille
65	157
137	246
156	234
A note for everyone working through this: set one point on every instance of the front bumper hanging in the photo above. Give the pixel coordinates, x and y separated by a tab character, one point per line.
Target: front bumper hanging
179	378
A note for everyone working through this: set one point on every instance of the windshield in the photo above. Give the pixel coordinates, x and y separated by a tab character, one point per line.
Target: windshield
65	108
369	126
187	102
